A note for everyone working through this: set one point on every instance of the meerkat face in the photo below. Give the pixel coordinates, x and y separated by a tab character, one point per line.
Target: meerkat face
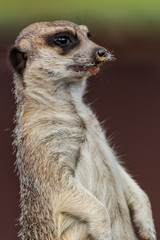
57	50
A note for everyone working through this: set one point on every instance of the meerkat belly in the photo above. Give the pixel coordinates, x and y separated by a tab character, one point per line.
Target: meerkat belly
96	169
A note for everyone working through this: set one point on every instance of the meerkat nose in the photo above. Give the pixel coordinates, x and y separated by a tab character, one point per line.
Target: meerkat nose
101	55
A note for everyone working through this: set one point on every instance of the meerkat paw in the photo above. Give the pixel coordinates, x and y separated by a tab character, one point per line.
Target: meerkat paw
148	234
100	226
146	228
142	216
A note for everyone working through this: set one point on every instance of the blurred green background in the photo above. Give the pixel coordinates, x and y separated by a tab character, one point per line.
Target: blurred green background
101	13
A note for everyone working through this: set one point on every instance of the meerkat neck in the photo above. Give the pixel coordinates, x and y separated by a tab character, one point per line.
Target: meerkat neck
62	89
77	90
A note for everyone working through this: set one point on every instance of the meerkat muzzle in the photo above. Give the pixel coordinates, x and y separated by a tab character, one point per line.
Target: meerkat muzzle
83	68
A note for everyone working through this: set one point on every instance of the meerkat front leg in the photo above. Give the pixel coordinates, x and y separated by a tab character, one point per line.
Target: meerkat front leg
76	201
77	231
139	203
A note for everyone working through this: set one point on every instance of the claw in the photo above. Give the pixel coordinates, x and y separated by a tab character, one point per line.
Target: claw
148	236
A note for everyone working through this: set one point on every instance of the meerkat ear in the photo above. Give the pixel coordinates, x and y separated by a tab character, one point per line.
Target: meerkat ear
18	59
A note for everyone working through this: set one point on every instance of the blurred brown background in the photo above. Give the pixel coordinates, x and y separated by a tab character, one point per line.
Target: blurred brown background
125	94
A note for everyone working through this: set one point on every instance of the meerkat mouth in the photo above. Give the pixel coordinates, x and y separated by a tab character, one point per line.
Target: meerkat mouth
92	68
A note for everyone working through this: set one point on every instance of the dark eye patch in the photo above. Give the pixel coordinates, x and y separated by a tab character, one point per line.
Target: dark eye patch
65	40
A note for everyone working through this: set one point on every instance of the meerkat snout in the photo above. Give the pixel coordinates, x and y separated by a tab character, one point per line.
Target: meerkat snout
101	55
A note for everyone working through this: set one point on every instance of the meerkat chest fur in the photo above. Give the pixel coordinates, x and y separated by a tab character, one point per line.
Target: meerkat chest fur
62	125
96	166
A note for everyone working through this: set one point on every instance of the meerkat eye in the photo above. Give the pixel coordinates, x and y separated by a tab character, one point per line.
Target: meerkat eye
65	40
89	35
62	41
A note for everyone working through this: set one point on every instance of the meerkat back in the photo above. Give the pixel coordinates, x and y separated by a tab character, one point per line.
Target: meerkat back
72	186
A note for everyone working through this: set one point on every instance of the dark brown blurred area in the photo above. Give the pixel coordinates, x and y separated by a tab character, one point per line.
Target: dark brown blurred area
125	93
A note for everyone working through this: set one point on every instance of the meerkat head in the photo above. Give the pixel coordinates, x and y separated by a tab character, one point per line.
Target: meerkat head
57	50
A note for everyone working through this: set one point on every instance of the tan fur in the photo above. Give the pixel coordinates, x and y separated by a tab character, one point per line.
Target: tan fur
72	185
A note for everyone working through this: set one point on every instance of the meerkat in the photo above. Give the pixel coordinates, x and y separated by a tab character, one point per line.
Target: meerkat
72	186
